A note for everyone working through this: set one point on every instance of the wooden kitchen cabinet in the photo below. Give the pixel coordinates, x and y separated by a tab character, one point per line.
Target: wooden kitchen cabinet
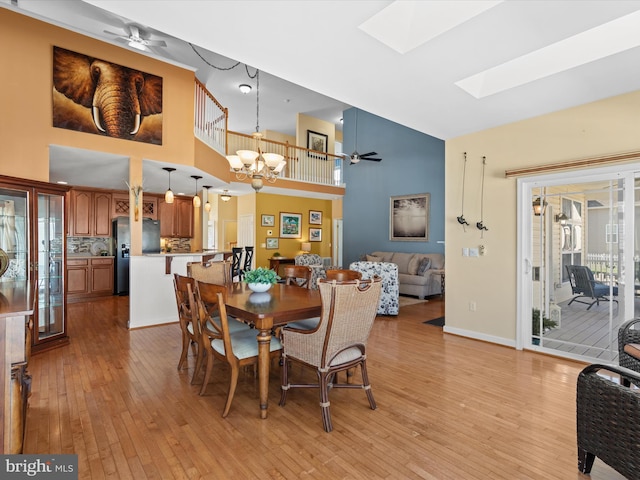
90	214
176	219
120	206
89	277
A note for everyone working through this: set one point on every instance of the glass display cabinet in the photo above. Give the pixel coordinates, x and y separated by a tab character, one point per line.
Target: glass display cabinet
33	248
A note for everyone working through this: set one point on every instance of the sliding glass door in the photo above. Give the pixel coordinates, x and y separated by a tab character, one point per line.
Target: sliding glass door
579	257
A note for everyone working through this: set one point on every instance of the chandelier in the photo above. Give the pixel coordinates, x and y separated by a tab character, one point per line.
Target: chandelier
257	165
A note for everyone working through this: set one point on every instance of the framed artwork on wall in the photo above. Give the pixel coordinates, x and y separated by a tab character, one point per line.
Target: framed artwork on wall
290	225
315	234
268	220
317	141
272	243
315	217
409	218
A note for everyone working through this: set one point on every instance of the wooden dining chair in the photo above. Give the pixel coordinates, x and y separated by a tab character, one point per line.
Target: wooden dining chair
338	344
298	275
188	322
238	349
343	275
236	266
248	259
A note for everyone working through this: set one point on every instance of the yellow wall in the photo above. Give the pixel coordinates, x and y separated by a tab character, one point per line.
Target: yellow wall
26	97
606	127
306	122
226	223
269	204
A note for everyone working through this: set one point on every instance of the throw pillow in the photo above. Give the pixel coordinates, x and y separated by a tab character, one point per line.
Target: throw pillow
412	266
425	264
373	258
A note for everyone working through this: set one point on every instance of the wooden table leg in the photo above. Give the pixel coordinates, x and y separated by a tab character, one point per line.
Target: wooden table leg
264	344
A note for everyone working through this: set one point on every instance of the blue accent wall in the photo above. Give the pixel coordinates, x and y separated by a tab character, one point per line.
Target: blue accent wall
412	163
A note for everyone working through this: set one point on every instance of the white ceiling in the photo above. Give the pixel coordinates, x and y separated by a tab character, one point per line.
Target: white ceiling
349	50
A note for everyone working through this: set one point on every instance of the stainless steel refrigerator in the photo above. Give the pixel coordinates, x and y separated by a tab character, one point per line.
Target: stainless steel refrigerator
122	244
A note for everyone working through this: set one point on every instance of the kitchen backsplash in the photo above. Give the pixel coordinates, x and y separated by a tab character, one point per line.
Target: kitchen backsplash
178	245
88	245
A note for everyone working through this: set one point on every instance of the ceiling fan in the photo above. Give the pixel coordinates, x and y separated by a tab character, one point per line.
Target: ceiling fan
136	38
355	157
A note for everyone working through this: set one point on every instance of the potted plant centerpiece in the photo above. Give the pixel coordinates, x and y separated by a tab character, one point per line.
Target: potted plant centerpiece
260	279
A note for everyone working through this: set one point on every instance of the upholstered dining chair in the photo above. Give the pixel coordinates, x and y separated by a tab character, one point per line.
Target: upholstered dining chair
343	275
237	349
390	297
338	343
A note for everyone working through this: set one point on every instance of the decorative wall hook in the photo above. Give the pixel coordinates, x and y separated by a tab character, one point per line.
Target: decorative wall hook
480	226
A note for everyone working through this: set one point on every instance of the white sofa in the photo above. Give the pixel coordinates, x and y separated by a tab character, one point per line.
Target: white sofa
410	281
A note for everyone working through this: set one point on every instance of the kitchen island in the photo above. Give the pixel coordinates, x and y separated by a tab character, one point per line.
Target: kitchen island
151	296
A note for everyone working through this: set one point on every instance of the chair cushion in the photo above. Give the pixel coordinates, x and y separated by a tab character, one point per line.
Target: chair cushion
234	325
306	324
244	344
346	356
633	349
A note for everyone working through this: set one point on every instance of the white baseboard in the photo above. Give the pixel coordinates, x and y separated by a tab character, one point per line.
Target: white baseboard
479	336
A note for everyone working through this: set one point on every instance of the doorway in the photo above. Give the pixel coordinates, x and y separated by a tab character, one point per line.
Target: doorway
573	224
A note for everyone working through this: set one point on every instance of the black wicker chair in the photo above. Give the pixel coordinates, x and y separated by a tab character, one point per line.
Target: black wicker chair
608	420
628	336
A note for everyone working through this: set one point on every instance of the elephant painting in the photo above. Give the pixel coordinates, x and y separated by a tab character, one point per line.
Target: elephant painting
95	96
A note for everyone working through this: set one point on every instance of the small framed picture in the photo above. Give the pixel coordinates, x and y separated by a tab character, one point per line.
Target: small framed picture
290	225
315	234
272	243
315	217
268	220
318	142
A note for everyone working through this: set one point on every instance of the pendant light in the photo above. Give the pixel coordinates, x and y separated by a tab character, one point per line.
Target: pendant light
207	205
196	198
168	196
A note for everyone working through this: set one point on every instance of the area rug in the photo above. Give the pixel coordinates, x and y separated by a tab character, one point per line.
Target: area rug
438	322
405	301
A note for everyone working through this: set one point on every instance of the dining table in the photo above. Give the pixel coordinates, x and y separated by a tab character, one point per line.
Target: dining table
278	306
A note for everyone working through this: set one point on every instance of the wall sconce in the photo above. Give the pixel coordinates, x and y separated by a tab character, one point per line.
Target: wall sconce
168	195
539	206
196	198
207	205
561	218
306	247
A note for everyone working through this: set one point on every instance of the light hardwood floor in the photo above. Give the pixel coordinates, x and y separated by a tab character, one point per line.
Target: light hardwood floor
448	408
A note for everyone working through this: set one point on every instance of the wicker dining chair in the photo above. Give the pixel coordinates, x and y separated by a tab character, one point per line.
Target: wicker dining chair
236	349
338	343
343	275
608	419
211	272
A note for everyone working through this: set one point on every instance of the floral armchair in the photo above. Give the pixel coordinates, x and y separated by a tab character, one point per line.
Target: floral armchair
389	298
314	261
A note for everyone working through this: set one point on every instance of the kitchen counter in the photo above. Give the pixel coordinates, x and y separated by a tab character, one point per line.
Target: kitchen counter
87	255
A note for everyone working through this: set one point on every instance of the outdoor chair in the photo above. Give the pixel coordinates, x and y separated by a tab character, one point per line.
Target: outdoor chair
608	419
237	349
629	346
585	286
338	343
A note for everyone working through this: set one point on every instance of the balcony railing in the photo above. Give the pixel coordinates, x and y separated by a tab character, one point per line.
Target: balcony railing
304	165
